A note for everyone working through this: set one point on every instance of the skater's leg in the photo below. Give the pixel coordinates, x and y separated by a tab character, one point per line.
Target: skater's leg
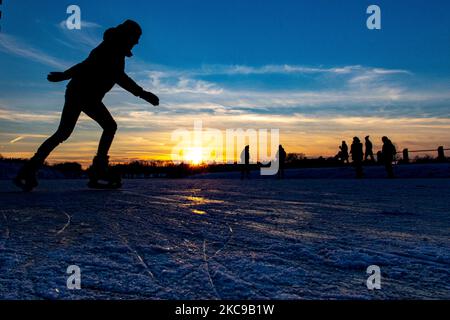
100	170
101	115
26	177
69	118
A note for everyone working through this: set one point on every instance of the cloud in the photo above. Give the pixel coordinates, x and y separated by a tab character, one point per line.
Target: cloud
334	89
27	117
208	70
272	69
369	92
375	76
354	90
345	90
158	72
20	138
187	86
17	139
84	24
16	47
85	39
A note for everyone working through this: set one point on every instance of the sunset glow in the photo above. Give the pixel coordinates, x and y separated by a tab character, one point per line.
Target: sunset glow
194	155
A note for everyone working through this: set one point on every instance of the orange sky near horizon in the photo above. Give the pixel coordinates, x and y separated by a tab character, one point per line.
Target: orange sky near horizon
312	137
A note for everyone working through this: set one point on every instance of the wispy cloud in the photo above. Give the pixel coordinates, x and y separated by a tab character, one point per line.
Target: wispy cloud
242	70
16	47
84	24
16	139
25	136
358	89
168	84
27	117
292	69
271	69
85	39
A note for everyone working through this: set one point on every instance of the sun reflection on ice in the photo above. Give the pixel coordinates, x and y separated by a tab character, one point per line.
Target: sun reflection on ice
199	212
194	201
201	200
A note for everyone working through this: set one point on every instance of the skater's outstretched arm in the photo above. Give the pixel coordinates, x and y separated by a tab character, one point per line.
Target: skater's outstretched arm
131	86
66	75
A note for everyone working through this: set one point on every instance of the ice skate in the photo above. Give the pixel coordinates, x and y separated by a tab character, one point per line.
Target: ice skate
101	176
26	178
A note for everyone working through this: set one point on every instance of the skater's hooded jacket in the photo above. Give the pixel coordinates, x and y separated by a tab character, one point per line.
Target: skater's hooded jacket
105	66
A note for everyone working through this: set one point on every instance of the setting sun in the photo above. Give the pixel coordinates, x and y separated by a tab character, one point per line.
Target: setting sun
194	155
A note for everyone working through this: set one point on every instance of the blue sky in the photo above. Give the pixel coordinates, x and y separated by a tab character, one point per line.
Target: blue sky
311	68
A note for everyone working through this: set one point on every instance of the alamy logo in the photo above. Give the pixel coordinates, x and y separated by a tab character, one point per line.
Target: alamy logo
213	145
374	280
374	20
74	280
73	22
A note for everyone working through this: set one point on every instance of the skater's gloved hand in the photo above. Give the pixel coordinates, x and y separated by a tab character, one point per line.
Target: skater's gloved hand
150	97
57	76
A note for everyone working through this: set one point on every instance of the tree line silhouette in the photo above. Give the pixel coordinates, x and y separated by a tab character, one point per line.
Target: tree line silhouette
167	169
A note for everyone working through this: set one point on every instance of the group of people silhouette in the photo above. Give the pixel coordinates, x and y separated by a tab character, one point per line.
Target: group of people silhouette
358	156
385	156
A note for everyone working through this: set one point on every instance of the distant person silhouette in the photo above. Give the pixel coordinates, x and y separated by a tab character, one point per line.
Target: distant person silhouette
90	81
369	150
357	156
388	155
343	154
281	157
245	163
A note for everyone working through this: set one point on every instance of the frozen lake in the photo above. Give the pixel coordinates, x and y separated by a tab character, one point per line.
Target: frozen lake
227	239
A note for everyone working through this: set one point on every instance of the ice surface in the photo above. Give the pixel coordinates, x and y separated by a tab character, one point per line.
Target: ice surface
228	239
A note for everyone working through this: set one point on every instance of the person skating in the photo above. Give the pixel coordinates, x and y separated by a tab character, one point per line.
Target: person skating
369	150
388	155
245	163
90	81
357	156
343	154
281	157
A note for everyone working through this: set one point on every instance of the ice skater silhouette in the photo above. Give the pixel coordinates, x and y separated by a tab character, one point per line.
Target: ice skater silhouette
369	150
389	153
357	156
281	157
90	81
343	153
245	163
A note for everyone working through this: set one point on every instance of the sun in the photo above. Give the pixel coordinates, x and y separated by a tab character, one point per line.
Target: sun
194	155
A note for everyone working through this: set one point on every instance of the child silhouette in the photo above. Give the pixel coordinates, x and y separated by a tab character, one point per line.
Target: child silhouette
90	81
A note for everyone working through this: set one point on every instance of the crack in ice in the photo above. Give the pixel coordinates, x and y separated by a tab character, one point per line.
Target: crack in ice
205	259
69	219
